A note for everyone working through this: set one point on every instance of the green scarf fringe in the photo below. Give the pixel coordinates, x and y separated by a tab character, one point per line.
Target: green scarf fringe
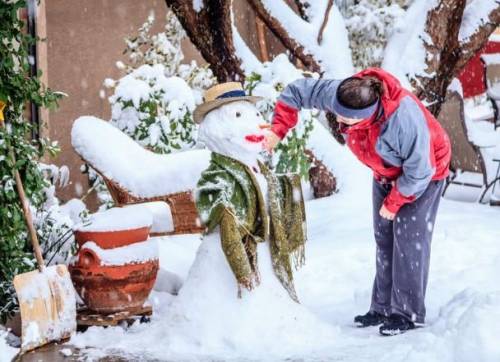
229	196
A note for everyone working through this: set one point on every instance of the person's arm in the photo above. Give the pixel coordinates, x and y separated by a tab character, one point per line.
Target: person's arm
303	93
412	142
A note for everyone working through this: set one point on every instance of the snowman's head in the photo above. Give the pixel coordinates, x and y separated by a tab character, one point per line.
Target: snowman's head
235	130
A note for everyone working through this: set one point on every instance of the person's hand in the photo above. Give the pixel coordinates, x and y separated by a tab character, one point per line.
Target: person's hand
386	214
270	141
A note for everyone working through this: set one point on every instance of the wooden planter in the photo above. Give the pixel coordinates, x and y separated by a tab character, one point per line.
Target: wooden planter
182	206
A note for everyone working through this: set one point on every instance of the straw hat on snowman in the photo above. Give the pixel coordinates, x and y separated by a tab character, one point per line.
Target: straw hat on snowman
219	95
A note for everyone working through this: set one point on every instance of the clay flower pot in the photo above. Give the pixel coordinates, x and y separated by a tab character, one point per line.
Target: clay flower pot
115	227
112	288
112	239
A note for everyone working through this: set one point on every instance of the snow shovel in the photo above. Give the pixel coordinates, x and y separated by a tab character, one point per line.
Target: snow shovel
46	296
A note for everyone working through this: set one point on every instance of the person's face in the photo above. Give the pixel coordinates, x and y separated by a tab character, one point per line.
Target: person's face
348	121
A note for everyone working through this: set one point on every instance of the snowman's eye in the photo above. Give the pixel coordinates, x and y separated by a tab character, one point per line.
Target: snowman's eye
238	114
257	114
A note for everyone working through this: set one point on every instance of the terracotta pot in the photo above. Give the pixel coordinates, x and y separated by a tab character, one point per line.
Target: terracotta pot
112	288
113	239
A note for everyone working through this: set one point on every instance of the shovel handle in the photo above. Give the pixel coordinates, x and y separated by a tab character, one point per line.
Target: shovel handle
29	222
26	209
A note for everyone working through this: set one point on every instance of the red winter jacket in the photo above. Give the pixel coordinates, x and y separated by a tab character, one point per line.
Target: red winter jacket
403	142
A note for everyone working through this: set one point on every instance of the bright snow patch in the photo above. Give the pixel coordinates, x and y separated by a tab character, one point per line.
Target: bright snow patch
7	353
161	213
133	253
117	219
143	173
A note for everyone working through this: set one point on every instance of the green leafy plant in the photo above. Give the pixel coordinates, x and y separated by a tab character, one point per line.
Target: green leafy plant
269	82
17	150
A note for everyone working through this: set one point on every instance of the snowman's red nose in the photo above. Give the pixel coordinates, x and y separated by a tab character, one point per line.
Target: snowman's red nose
254	138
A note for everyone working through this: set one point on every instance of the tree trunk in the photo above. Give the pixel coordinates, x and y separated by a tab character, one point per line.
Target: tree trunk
322	180
210	32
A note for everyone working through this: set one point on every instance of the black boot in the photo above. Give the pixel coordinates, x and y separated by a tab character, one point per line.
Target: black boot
396	324
369	319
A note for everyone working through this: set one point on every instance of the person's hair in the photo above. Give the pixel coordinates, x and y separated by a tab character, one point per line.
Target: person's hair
359	92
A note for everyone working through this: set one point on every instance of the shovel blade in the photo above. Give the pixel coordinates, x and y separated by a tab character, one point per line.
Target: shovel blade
47	304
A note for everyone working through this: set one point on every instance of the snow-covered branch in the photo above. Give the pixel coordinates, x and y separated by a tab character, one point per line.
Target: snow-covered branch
300	37
435	40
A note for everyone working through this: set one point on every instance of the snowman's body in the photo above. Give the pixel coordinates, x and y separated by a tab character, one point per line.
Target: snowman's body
208	302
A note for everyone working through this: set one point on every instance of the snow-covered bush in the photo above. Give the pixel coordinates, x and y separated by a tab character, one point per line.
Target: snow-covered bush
153	103
53	221
370	23
268	81
154	109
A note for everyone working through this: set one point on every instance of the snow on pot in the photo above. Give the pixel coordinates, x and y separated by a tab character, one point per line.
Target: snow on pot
113	280
163	222
115	227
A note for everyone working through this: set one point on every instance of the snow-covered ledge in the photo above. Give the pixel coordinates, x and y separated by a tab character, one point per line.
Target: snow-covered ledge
143	173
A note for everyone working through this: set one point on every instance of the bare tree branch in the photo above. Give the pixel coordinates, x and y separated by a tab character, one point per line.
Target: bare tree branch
279	31
261	36
301	8
325	21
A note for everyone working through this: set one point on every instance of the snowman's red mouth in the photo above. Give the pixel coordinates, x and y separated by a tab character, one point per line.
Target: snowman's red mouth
254	138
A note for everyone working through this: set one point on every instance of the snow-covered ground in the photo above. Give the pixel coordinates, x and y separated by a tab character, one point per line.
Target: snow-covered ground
463	298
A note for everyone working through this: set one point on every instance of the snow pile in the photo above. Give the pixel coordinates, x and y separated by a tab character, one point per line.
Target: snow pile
141	172
207	318
117	219
161	213
167	282
334	285
7	353
468	324
133	253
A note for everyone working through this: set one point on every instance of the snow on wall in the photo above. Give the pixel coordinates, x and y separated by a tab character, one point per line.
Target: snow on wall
143	173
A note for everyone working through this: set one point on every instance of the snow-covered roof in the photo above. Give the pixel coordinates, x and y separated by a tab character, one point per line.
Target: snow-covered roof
141	172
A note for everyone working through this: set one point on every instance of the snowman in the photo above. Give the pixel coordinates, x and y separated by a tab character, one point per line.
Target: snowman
239	295
240	200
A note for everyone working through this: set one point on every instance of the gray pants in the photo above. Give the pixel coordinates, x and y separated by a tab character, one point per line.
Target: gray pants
403	253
